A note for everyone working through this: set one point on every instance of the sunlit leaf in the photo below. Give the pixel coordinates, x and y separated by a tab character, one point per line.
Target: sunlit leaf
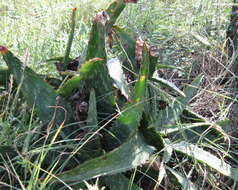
36	90
206	158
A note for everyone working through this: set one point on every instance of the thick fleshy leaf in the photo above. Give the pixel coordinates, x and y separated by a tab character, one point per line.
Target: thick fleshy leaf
4	76
36	90
67	59
195	131
93	73
172	112
129	155
114	10
116	73
185	183
94	145
92	110
127	43
128	122
206	158
168	84
119	182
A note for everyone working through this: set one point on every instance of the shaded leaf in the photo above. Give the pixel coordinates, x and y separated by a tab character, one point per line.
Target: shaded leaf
4	76
185	183
129	155
168	84
127	43
119	182
172	112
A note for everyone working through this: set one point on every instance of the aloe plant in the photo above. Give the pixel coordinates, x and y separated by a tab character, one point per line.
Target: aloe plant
125	119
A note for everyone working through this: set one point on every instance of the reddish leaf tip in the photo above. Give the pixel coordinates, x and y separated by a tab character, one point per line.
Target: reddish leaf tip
130	1
3	50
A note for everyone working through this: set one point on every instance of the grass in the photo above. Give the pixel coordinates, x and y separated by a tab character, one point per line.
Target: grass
38	30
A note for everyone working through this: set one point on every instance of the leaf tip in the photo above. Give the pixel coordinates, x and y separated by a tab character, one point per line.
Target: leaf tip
3	50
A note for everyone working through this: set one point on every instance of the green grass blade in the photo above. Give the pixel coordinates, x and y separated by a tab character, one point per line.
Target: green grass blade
35	90
129	155
185	183
206	158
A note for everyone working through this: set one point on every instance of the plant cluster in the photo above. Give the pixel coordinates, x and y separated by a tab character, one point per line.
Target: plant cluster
110	116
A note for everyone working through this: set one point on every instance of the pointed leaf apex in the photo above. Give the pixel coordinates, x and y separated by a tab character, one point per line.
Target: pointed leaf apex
3	50
102	17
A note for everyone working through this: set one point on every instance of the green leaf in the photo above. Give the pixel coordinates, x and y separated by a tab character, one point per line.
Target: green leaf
185	183
7	152
201	127
94	73
119	182
36	90
171	114
127	43
4	76
201	39
131	154
114	10
129	120
168	84
66	59
94	145
206	158
92	119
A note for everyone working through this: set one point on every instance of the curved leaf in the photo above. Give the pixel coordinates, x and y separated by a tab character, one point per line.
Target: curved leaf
36	90
184	182
129	155
93	73
129	120
168	84
172	113
116	73
206	158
